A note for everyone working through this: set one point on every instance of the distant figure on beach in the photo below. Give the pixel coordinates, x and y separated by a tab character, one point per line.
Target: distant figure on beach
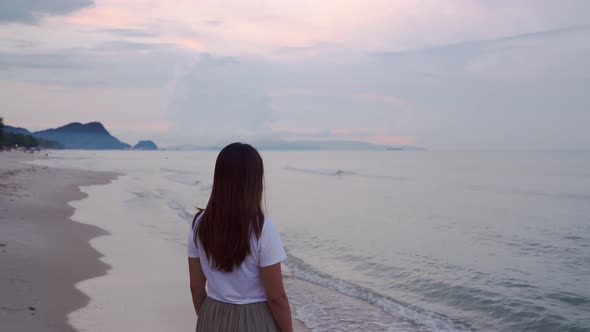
237	252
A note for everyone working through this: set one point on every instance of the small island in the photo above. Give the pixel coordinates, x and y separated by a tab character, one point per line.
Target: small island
145	145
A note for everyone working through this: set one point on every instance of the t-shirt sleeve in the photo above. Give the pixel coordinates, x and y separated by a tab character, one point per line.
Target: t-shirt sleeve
271	248
193	251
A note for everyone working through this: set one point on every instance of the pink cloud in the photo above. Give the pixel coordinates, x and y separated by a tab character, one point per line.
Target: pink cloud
251	27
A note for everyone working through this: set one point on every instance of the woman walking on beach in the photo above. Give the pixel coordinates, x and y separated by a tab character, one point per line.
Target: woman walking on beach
237	252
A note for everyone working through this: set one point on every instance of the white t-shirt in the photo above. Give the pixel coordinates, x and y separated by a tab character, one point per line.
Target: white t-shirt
244	284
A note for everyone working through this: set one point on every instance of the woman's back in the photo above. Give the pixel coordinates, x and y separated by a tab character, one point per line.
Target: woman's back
244	283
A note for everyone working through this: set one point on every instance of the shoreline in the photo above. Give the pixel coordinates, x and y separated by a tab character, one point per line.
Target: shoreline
80	284
40	244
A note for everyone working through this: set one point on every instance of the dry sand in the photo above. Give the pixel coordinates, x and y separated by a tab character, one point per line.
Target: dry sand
49	266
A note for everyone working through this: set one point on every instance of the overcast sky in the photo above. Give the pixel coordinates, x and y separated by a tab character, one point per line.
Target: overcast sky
502	74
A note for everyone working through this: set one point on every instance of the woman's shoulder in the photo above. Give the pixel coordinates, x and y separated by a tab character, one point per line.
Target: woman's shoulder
269	229
268	224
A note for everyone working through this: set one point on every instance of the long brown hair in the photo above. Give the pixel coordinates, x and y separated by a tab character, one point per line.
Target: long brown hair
234	211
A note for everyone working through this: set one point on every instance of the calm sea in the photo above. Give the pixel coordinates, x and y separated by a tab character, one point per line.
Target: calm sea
404	240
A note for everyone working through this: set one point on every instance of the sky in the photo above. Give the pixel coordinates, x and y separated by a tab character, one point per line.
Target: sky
502	74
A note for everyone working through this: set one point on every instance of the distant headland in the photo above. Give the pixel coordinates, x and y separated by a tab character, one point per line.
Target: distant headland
75	135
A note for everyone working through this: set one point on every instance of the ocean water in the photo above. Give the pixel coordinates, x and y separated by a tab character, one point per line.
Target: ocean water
402	240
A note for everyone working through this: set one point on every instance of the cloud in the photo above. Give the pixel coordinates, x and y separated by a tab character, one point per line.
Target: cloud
120	46
29	11
120	32
468	47
214	23
314	48
39	61
521	91
219	97
19	44
461	74
116	63
395	101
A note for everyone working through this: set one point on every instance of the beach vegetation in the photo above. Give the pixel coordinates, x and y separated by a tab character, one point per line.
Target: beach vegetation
11	139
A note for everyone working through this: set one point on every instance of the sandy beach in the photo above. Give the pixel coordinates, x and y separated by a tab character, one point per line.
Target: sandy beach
43	253
67	270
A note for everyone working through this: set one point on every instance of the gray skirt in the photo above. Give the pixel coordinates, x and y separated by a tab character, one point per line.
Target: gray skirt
217	316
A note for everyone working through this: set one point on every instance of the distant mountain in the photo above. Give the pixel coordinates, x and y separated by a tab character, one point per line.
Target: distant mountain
90	136
302	145
335	145
16	130
145	145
